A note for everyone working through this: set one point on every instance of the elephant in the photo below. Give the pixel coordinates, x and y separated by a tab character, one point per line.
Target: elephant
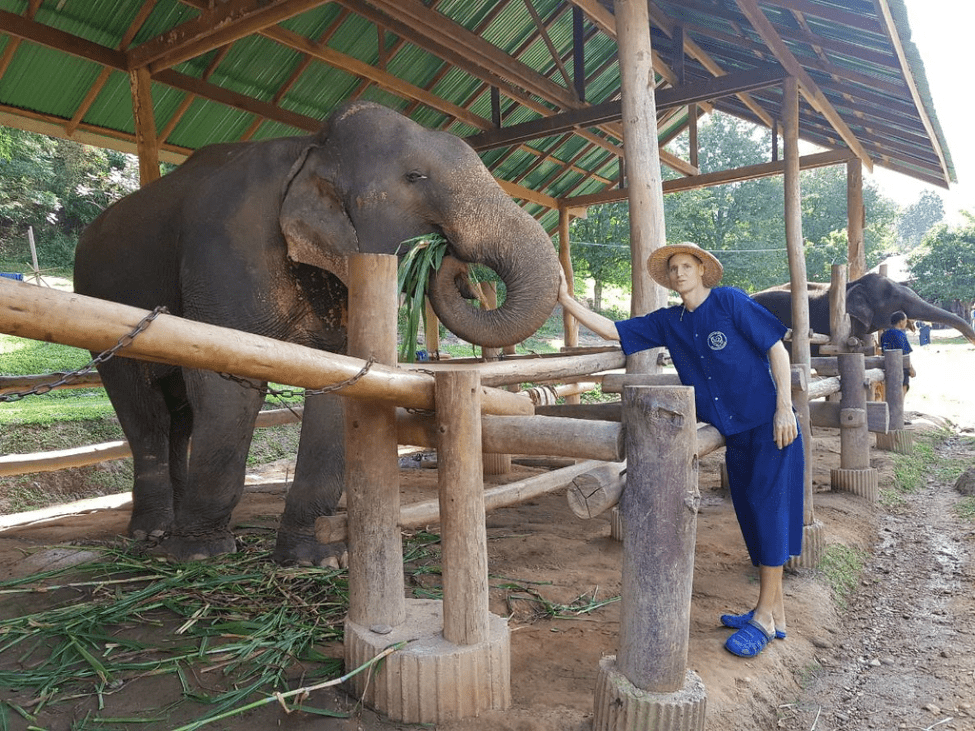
870	301
256	236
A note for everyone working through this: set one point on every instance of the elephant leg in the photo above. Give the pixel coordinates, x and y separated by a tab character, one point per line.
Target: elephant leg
223	417
143	414
317	487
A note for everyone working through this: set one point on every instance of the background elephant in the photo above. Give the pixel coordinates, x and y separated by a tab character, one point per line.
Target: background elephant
255	236
870	301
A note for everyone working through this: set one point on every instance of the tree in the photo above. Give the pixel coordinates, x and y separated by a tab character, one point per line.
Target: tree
919	218
943	268
601	247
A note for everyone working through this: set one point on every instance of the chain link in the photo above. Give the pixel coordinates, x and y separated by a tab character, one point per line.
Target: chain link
70	377
292	393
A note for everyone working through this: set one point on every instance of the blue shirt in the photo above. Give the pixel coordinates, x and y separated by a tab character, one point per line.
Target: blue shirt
895	339
721	349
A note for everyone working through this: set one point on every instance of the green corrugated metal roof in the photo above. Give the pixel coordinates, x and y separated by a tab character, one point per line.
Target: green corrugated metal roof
453	51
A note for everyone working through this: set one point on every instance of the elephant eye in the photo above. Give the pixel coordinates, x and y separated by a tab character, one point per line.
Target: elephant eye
415	176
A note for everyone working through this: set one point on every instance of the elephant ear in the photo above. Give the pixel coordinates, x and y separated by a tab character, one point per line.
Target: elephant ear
859	307
313	219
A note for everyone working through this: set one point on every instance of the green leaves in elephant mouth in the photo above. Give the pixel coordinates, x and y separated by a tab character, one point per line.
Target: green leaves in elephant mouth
424	257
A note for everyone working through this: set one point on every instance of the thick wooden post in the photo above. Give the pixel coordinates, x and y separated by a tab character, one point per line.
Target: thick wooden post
464	537
855	219
644	182
494	464
146	143
897	439
431	330
376	587
650	679
569	323
839	319
659	528
854	474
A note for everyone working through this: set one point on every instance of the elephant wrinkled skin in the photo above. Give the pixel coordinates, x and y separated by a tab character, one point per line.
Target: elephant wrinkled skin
256	236
870	301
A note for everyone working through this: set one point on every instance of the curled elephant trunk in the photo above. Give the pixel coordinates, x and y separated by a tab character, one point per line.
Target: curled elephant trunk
516	247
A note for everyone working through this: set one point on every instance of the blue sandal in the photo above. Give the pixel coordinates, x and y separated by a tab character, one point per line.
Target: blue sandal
749	640
737	621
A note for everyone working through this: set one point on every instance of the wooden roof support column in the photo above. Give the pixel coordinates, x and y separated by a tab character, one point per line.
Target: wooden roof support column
569	323
145	125
642	162
855	220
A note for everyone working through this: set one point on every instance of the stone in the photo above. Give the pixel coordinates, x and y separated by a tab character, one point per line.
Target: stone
965	484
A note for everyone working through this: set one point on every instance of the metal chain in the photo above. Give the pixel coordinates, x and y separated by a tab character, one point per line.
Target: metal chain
71	376
292	393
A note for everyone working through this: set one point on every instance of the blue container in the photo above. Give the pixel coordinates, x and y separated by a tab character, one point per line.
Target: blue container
12	275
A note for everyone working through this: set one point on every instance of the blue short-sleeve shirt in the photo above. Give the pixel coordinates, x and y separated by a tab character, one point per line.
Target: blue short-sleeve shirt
721	349
895	339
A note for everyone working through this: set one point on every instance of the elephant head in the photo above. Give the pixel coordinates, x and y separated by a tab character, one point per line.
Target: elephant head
372	178
873	298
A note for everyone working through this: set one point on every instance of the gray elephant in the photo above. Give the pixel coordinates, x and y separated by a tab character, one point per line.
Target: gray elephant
870	301
256	236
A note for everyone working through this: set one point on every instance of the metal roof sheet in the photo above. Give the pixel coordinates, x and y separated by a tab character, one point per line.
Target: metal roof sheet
250	70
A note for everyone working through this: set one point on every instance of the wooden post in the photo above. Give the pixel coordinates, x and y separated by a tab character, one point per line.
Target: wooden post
800	305
897	438
854	474
431	330
371	463
645	186
463	532
659	524
839	319
569	324
855	219
649	679
146	143
493	464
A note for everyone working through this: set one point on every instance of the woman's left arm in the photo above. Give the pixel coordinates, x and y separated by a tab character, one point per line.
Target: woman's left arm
784	423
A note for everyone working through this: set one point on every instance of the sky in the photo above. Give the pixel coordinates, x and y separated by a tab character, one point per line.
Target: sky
942	32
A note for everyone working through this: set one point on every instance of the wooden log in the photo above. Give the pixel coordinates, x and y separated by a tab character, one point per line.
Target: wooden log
659	519
855	218
606	411
854	437
894	387
331	528
839	319
822	387
593	493
15	384
376	587
826	414
615	382
463	535
60	459
48	314
570	326
536	369
827	366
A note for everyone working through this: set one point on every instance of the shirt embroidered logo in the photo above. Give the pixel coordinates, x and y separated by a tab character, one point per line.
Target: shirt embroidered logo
717	340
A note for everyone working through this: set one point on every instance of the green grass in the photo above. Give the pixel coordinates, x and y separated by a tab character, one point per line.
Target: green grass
842	566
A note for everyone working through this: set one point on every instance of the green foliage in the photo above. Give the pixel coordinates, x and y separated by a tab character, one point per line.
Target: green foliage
966	509
943	268
919	218
601	247
55	187
423	258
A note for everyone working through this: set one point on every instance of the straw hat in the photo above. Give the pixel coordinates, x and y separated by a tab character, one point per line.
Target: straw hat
659	261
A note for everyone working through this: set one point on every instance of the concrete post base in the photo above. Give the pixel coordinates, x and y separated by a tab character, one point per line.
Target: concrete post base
865	483
813	547
430	680
898	440
621	706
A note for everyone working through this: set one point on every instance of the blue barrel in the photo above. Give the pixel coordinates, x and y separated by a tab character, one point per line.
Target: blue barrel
12	275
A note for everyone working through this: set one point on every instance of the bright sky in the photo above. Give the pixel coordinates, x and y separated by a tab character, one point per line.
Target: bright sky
942	32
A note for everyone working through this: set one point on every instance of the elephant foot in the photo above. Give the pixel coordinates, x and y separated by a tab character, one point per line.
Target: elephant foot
150	526
181	547
303	550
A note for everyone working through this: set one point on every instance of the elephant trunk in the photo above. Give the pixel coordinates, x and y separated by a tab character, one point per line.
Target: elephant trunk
922	310
505	238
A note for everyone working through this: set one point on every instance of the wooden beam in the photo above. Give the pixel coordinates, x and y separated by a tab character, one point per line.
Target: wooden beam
145	125
44	35
749	172
811	91
216	26
612	111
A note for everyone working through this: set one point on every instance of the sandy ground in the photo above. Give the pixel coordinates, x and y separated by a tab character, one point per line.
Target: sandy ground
900	656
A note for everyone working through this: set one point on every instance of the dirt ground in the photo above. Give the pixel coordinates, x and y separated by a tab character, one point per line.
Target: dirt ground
901	655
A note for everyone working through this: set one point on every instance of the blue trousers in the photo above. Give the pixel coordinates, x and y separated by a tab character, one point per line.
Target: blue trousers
767	491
